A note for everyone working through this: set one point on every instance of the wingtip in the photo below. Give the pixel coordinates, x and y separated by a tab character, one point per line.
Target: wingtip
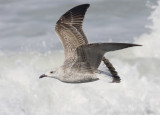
137	45
77	12
87	4
116	79
83	5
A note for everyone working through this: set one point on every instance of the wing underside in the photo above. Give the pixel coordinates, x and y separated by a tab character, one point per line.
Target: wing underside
69	29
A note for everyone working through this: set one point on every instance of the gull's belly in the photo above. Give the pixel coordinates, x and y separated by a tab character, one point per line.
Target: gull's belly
69	76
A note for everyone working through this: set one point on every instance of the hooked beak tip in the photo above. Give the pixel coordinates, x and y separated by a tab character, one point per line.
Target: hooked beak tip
43	75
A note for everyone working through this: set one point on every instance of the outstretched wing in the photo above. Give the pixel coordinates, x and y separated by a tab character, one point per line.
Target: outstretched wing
69	29
92	54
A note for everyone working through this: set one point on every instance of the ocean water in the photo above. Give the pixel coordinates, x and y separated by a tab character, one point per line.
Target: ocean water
29	47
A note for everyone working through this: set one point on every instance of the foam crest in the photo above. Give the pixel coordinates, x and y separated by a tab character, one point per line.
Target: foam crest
151	40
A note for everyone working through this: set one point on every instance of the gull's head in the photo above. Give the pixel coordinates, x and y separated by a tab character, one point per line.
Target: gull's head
51	74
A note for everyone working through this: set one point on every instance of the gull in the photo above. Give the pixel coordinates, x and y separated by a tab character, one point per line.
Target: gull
81	58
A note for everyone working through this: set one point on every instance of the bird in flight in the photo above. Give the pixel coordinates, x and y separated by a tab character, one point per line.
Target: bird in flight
82	59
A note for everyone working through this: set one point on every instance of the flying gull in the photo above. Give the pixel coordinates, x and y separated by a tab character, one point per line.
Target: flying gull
81	58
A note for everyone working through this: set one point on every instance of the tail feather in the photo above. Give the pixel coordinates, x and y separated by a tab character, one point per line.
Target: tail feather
112	70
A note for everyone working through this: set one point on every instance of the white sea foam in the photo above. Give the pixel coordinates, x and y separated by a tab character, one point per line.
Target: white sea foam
151	40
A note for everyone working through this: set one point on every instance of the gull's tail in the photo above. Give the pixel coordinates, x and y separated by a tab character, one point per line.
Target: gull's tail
116	77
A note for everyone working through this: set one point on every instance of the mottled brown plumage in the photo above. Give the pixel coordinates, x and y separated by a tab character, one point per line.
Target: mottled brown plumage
69	29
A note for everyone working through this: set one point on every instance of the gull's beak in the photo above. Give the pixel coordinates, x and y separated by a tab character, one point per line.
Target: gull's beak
43	75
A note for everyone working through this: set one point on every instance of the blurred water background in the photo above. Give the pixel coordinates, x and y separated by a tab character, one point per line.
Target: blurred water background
30	47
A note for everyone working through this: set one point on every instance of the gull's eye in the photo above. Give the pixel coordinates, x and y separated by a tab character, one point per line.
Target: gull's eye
51	72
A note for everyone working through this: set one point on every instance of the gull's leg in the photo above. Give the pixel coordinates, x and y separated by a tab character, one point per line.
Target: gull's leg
112	70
